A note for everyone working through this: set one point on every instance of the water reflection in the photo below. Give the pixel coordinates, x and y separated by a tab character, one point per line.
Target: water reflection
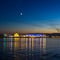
4	54
24	48
30	47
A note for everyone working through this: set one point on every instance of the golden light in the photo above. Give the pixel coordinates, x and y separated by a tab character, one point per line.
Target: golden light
16	35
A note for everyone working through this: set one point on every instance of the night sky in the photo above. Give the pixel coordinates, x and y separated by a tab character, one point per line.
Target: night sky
29	15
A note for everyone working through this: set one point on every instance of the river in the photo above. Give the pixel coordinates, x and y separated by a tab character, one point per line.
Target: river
29	48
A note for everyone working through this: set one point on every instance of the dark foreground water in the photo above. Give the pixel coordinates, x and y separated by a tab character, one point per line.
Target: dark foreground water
29	48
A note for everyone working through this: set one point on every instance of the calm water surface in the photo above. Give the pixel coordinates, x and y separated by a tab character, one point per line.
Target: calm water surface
29	48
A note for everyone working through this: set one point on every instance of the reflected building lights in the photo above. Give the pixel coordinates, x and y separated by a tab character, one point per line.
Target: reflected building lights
16	43
4	43
44	45
32	44
11	44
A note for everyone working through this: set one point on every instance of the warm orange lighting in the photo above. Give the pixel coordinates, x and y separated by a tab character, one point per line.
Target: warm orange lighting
16	35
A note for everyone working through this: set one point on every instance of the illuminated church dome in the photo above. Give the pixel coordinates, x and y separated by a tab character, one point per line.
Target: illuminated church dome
16	35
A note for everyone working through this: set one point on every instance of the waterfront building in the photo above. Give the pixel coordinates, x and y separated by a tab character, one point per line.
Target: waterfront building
16	35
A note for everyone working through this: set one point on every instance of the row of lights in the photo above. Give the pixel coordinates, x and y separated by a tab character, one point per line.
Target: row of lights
30	35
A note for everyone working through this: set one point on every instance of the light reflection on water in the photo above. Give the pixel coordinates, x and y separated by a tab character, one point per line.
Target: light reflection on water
30	48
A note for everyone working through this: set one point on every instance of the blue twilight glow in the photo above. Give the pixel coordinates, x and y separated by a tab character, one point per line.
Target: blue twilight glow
29	15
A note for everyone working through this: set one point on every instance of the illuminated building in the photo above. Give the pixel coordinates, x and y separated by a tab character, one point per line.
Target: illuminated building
16	35
36	35
10	36
5	35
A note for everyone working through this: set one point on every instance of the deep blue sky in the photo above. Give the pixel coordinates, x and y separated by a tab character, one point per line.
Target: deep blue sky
37	15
